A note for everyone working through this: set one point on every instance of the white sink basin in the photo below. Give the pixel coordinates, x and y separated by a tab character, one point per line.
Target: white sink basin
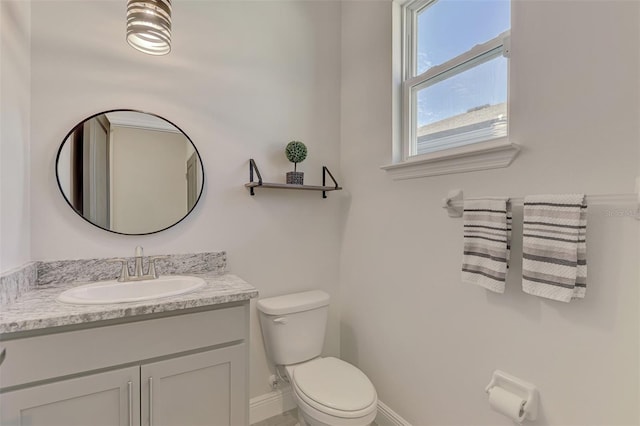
105	292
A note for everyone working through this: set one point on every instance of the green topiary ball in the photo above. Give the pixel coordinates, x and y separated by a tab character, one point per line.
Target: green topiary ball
296	152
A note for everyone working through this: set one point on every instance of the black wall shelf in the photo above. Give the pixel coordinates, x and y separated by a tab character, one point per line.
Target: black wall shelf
252	185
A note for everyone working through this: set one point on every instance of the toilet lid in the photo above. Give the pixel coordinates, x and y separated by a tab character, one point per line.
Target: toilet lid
336	384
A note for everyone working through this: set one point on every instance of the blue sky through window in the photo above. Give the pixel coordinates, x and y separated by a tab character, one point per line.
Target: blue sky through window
446	29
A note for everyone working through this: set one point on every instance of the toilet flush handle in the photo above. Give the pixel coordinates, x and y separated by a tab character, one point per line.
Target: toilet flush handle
280	320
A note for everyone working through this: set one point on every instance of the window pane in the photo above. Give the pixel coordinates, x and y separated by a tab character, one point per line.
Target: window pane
466	108
447	28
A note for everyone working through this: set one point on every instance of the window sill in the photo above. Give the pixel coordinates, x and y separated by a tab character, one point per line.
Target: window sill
492	154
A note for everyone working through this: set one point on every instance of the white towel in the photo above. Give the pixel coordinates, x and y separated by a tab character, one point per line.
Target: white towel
487	242
554	248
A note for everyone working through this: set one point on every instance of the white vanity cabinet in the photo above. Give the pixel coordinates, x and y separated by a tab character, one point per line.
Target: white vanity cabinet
158	370
102	399
200	389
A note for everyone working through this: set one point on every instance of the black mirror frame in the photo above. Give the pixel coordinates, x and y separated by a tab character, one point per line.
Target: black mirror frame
142	112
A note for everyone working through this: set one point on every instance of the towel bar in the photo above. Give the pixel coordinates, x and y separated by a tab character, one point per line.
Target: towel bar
454	201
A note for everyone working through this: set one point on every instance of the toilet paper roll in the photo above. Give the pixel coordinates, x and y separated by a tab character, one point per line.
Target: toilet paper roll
506	403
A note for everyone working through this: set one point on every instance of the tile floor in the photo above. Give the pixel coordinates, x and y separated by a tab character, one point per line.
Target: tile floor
288	418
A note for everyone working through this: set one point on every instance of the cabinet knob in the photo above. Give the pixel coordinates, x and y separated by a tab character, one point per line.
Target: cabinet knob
3	355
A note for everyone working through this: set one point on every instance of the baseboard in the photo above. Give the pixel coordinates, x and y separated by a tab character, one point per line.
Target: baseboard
271	404
387	417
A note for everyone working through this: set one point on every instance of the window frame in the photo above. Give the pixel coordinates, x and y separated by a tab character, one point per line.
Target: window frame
405	150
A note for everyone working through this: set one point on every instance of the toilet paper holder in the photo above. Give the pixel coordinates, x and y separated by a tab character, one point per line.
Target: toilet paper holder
524	390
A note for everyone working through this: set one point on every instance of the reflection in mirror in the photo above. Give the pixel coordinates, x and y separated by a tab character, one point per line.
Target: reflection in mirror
129	172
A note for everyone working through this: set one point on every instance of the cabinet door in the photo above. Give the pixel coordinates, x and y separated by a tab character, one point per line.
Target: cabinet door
206	388
104	399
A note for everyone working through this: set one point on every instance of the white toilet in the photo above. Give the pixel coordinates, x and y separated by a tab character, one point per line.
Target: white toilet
328	391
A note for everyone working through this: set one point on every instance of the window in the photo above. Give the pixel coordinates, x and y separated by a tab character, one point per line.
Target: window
454	79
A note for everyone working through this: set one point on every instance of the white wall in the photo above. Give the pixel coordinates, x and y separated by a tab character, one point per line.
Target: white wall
15	104
430	343
242	80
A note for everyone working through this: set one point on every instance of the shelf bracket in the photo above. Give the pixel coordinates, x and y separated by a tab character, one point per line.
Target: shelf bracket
326	171
252	167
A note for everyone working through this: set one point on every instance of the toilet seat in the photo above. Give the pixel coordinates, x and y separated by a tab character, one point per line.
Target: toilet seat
334	387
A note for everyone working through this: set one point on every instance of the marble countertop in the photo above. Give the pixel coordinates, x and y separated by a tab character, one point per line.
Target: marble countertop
38	309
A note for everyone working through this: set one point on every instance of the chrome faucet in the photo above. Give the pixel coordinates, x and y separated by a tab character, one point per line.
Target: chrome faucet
138	268
138	274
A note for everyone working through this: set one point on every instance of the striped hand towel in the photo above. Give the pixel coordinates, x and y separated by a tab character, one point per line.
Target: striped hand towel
487	242
554	248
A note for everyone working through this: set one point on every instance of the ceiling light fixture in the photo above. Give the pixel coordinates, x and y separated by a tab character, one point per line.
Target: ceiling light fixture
149	26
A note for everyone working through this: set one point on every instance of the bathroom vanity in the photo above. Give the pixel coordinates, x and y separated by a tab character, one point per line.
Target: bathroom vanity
115	359
174	361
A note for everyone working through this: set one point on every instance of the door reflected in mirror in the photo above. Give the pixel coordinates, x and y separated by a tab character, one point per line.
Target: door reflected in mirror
129	172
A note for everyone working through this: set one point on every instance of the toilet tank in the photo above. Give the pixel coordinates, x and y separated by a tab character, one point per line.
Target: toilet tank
293	326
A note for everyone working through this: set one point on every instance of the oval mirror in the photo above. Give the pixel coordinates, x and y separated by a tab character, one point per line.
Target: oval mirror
129	172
